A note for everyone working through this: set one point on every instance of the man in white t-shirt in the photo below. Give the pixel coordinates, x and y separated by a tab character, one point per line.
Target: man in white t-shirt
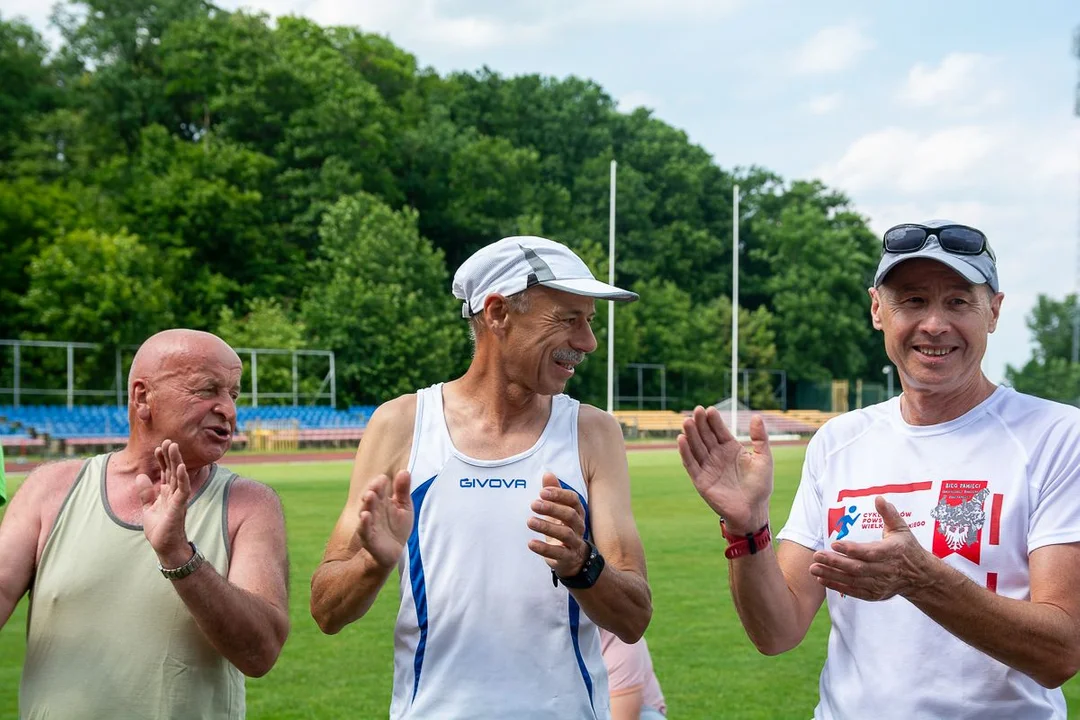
952	593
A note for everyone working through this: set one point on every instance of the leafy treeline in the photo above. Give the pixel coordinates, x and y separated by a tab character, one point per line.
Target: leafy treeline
292	185
1051	372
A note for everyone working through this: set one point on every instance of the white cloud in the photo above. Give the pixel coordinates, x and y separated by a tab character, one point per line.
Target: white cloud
635	99
482	25
904	160
962	81
1017	182
609	11
832	49
823	104
414	22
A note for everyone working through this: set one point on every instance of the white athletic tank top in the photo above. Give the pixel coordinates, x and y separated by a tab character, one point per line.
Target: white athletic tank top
482	633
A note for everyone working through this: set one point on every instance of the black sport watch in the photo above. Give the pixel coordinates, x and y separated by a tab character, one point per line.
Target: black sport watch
587	576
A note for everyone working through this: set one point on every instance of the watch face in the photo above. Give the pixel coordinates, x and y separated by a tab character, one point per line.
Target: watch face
593	565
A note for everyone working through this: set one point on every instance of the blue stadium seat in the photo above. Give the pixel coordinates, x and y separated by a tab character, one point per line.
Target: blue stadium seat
110	421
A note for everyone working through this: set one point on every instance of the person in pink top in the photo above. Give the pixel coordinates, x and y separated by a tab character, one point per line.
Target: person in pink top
635	691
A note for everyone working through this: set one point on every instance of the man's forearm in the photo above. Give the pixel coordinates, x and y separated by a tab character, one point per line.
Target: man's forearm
765	602
343	590
619	602
1038	639
246	629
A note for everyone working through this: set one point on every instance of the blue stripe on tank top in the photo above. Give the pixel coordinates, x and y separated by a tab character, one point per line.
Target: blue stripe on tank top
575	614
419	588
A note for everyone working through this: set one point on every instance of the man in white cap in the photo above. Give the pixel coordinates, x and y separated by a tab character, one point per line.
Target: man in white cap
953	592
505	507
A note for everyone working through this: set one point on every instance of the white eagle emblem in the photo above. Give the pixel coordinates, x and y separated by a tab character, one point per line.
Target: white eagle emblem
960	524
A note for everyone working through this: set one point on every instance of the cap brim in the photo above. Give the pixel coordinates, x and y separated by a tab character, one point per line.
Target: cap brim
954	262
591	288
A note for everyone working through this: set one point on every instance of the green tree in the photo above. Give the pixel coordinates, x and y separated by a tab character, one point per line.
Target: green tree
210	199
268	325
112	58
31	214
1050	373
92	287
821	258
693	342
381	301
28	88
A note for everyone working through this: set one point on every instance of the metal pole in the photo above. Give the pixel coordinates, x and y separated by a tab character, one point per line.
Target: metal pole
734	309
640	391
663	388
16	358
71	377
1076	309
1076	325
611	303
295	383
254	379
333	383
119	381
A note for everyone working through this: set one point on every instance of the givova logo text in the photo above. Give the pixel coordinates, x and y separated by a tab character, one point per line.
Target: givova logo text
493	483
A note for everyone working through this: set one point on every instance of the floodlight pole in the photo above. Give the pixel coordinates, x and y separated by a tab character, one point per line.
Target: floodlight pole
611	303
734	309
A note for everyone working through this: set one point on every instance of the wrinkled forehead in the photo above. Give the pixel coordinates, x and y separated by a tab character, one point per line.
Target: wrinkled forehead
923	273
220	364
562	301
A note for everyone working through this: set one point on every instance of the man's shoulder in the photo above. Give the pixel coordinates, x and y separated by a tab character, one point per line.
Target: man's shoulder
1036	423
597	425
248	490
1017	407
53	477
849	426
394	416
594	416
250	500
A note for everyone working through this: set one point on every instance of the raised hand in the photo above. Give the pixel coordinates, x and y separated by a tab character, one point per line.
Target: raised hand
386	518
735	482
879	570
564	524
164	506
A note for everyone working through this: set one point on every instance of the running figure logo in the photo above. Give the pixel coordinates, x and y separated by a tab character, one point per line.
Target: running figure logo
846	522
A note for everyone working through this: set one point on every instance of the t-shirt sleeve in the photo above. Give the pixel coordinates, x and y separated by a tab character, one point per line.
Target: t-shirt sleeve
626	664
1055	519
805	520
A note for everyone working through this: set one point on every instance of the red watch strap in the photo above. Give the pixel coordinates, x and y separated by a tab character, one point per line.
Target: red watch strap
749	544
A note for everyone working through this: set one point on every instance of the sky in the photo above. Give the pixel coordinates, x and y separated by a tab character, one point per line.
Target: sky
916	109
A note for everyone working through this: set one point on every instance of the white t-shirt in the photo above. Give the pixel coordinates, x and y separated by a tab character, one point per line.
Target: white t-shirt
981	492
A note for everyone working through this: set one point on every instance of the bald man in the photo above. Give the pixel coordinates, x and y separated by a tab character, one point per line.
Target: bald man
157	578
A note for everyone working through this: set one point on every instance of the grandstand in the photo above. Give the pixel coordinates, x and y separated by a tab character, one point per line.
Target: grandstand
84	426
782	424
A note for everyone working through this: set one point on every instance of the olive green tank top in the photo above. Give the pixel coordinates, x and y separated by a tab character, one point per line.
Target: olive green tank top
107	635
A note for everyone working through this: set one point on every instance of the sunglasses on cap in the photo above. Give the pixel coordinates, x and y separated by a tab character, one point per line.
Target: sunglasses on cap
955	239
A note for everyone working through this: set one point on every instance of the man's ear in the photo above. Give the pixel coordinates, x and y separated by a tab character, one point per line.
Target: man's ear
875	307
496	313
995	310
141	397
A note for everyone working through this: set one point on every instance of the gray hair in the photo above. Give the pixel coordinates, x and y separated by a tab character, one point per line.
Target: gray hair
519	303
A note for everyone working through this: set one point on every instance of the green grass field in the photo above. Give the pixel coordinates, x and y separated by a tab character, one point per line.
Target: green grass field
707	667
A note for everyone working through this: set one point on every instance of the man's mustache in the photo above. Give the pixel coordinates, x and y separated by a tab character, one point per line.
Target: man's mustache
568	356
